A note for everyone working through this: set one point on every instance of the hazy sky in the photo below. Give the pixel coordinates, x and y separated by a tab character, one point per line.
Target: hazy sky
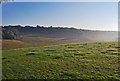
90	15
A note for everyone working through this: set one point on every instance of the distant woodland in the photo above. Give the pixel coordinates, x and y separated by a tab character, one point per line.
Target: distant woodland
14	33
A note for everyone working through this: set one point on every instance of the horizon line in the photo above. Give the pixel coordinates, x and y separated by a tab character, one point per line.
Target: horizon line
59	26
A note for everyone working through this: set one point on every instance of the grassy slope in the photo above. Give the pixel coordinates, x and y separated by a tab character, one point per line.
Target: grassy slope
29	41
13	44
83	61
43	41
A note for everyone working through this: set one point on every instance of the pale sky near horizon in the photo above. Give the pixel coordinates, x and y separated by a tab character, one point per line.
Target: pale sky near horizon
85	15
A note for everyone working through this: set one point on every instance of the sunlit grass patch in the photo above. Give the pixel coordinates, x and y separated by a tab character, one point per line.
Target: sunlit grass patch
80	61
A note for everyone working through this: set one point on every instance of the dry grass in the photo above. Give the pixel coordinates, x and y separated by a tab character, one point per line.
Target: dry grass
46	41
13	44
30	41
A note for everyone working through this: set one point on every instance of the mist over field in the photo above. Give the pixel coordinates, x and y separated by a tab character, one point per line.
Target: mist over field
81	35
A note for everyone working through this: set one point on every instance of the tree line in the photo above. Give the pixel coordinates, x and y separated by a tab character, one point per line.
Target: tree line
14	33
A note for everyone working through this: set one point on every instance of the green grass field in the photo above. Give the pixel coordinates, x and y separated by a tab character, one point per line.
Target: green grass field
97	60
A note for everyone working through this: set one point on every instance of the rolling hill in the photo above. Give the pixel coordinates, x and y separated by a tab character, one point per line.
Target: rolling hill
59	53
92	61
64	33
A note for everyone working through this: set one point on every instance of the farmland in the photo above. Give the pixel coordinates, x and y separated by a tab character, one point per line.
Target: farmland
98	60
